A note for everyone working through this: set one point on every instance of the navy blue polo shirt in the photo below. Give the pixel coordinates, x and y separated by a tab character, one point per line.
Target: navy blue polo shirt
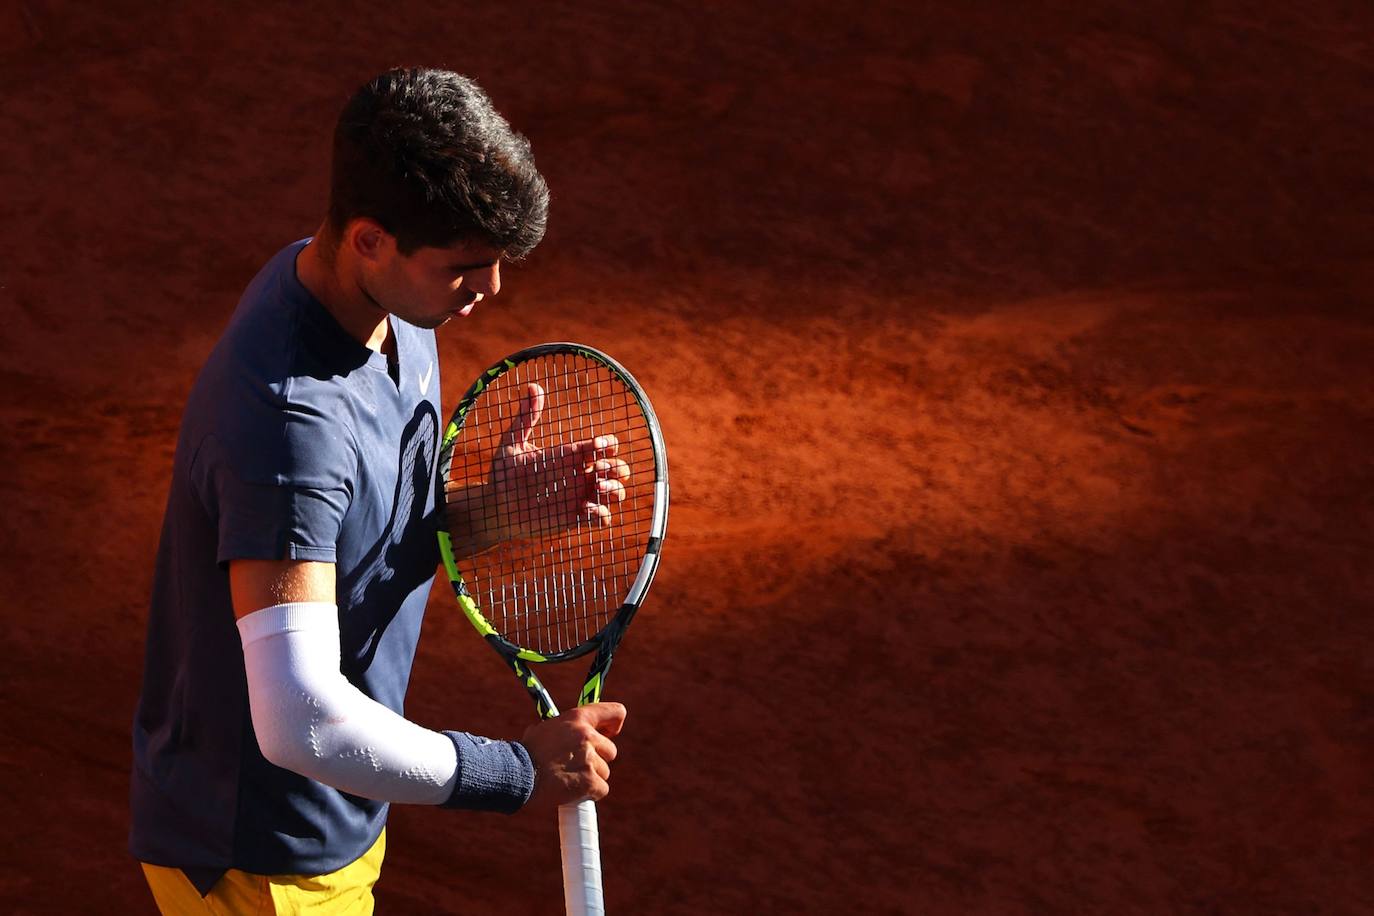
297	442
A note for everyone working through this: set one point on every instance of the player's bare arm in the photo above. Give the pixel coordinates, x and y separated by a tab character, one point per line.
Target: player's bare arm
256	584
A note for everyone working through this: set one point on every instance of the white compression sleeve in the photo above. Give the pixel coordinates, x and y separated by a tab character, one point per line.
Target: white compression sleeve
311	720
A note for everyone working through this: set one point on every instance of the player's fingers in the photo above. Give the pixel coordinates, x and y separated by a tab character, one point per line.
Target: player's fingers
609	491
605	748
598	788
611	469
531	406
606	446
595	449
581	453
600	767
607	718
596	515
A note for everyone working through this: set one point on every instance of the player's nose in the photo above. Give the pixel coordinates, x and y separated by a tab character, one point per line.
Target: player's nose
484	282
493	280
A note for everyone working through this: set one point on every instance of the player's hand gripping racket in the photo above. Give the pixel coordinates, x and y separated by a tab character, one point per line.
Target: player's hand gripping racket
555	485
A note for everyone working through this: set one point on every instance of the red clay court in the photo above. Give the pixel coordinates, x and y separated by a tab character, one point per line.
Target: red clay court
1014	364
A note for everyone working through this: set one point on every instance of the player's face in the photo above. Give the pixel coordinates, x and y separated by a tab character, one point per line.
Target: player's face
433	285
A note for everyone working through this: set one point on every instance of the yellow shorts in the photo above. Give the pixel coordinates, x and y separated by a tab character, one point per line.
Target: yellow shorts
346	892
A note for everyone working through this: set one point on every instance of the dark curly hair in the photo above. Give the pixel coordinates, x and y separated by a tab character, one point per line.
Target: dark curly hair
424	153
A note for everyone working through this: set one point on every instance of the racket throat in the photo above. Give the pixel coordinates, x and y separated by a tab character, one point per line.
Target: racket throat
543	702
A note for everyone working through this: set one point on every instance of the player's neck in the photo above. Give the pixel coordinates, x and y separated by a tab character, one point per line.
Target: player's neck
354	310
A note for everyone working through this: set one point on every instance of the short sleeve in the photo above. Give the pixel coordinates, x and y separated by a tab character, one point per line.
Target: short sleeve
277	488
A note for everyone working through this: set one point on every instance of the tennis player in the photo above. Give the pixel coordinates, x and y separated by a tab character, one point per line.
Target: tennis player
298	545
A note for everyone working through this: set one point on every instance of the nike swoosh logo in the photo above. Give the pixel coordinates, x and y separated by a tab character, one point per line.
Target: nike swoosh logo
424	379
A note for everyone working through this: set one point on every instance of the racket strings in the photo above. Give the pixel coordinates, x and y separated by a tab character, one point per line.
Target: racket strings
559	586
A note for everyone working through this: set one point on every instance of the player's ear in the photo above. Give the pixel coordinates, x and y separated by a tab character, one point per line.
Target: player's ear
367	240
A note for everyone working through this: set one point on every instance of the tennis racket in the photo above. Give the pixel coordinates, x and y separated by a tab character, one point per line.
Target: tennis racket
555	485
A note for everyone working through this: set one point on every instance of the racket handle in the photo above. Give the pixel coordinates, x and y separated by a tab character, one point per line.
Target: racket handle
581	859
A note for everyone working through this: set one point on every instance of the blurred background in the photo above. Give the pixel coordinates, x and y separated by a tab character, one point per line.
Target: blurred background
1014	365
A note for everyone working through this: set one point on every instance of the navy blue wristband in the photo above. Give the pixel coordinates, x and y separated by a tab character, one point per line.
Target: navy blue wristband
492	775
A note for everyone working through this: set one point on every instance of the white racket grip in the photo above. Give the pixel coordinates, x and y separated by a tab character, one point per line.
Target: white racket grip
581	859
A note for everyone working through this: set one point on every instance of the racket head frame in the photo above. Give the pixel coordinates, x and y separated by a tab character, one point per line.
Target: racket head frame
604	641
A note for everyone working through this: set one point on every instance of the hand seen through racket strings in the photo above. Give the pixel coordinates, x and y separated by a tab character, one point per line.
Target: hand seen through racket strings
537	492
